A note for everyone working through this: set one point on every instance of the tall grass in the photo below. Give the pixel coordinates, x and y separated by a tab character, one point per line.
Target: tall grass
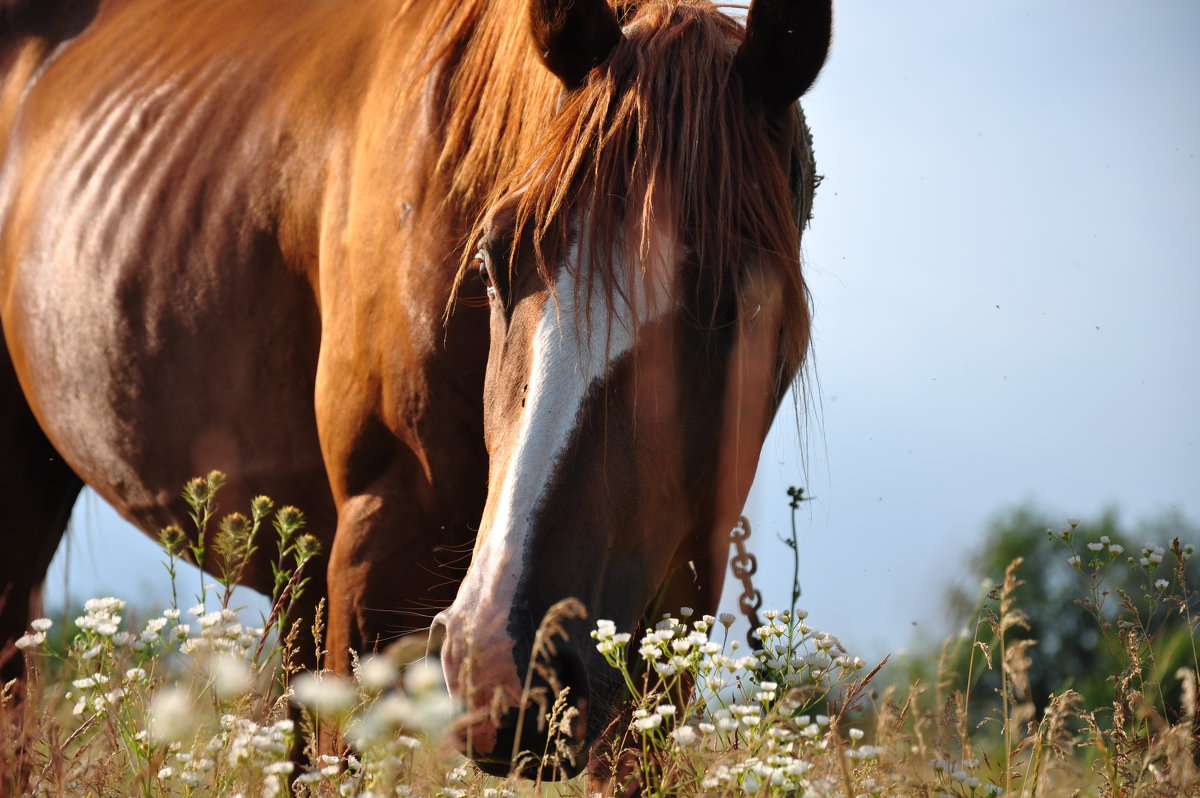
195	701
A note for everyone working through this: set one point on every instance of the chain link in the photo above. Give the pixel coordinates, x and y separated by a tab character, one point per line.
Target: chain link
744	565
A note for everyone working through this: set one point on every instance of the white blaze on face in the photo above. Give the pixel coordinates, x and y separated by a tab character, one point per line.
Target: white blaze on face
567	360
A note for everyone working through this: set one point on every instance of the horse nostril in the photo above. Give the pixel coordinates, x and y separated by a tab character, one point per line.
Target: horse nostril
441	637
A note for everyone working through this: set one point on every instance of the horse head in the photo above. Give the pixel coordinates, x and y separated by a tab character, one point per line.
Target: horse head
648	313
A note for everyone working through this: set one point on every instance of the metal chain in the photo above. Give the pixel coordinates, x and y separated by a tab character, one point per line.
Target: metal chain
744	565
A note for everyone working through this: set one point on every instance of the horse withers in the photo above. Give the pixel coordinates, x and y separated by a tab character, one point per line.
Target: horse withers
444	273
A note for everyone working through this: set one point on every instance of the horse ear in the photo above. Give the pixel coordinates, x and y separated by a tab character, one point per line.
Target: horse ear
572	36
785	46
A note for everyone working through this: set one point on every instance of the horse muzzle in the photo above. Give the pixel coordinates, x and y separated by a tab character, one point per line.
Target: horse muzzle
523	705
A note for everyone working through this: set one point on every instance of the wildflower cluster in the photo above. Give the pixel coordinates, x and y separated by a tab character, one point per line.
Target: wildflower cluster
958	776
199	702
221	631
1150	562
1103	550
241	753
696	696
152	687
194	701
387	726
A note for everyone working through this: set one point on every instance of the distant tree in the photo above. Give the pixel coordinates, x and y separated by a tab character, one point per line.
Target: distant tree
1127	588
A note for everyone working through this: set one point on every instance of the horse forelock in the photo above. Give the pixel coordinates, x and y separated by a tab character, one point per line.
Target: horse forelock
664	125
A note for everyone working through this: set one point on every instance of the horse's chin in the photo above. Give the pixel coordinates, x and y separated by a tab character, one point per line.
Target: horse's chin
543	772
551	768
561	755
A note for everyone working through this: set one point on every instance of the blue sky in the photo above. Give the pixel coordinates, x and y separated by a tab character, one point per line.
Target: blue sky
1003	261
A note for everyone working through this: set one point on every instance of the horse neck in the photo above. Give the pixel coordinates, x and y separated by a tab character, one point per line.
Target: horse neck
452	97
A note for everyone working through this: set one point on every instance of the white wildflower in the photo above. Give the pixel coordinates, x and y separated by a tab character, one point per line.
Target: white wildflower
325	694
171	715
230	675
377	673
424	677
648	723
685	735
30	640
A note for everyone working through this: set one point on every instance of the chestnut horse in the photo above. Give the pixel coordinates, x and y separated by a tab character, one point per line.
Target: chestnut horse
522	276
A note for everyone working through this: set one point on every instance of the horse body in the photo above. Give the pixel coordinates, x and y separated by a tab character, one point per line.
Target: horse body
229	234
197	303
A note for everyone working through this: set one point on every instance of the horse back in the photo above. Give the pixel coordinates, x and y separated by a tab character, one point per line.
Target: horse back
165	166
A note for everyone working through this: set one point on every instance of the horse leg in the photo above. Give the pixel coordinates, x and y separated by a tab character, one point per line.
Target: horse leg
409	492
391	568
37	492
383	577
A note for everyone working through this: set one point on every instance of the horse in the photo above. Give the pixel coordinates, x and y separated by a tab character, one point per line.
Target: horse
519	280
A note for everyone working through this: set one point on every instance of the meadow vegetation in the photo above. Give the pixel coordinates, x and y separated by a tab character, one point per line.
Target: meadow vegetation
196	701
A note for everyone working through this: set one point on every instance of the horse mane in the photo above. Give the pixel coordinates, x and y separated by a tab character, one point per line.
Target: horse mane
665	118
491	91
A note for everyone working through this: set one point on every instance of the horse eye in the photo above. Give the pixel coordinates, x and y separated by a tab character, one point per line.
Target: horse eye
485	274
